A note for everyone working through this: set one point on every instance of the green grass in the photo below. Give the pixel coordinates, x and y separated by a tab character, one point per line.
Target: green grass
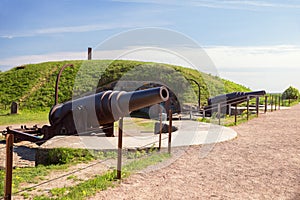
102	182
33	86
68	155
28	175
140	164
82	190
145	125
61	157
25	116
288	103
73	177
25	195
2	178
294	103
228	120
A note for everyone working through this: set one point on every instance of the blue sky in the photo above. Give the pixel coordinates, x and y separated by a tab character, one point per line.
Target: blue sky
255	43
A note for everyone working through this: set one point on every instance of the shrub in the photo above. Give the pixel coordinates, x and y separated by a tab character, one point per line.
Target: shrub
290	93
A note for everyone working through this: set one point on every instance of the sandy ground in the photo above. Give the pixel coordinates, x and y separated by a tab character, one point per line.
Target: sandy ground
263	162
23	156
24	152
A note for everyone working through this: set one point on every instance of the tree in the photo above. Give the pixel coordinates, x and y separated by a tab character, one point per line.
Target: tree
290	93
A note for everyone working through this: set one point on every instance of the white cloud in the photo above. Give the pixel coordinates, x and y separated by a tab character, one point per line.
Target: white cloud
67	29
31	59
84	28
270	4
277	56
272	68
224	57
130	53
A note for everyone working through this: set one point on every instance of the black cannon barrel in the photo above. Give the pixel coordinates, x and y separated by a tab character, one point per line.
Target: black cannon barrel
229	99
239	96
256	93
106	107
118	104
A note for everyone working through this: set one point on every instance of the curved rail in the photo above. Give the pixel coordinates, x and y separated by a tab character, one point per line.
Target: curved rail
57	81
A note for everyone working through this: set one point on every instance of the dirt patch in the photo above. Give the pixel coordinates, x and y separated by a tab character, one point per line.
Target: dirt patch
23	154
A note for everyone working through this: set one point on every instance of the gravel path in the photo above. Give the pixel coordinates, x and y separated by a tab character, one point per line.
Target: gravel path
263	162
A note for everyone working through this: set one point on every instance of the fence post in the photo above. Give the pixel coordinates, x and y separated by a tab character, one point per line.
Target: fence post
275	103
271	103
257	106
219	113
235	114
170	131
266	104
160	128
120	146
9	165
247	108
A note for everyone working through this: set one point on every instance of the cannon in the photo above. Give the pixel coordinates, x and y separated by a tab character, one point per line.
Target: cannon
86	114
233	98
101	109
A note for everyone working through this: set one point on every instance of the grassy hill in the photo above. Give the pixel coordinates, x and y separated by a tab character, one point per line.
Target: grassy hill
33	85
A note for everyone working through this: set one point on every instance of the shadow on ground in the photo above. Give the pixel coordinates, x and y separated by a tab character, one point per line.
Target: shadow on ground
25	153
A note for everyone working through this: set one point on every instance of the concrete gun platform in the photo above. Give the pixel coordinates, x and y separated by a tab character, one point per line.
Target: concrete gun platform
189	133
